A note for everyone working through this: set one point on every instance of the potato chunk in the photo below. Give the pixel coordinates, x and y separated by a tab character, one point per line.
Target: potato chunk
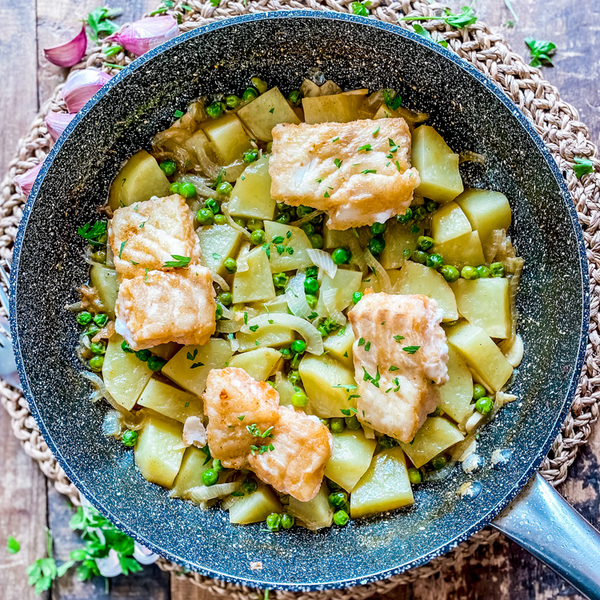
107	285
461	251
228	137
338	108
456	394
398	239
339	345
288	252
218	243
170	401
449	222
314	514
255	284
257	363
255	507
338	290
251	196
190	474
266	336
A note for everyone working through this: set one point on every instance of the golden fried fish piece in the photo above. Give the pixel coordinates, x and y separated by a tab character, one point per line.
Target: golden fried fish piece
400	357
147	235
174	306
359	172
248	429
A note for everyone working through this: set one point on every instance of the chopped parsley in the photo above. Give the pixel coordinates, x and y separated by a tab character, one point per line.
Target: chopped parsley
146	275
348	411
377	129
242	417
368	171
262	449
391	99
365	148
91	233
217	256
361	341
253	328
410	349
278	239
122	248
288	235
338	163
347	387
178	114
393	368
398	338
367	346
319	180
326	194
373	380
272	110
179	262
335	139
245	318
192	356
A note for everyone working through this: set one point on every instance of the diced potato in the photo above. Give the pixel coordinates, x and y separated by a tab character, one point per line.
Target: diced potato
125	375
309	89
218	243
170	401
257	363
159	450
328	384
228	137
383	112
251	196
107	285
449	222
266	336
166	351
298	242
286	390
483	356
255	507
190	474
345	283
358	92
485	303
351	457
399	238
486	211
329	88
385	486
256	283
419	279
315	514
462	251
437	166
339	345
266	111
435	435
394	275
340	108
189	368
457	393
277	305
138	180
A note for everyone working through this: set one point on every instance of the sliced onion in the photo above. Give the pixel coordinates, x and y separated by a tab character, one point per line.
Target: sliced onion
81	86
220	281
112	426
468	156
382	277
228	326
513	351
75	307
69	54
235	345
329	299
323	259
232	223
312	337
109	566
204	494
229	502
242	259
26	180
143	35
57	122
358	256
296	296
307	218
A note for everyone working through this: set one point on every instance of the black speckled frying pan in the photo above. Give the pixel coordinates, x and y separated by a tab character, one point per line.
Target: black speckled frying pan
472	114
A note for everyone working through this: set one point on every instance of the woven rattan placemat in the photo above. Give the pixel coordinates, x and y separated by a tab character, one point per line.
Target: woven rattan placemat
557	123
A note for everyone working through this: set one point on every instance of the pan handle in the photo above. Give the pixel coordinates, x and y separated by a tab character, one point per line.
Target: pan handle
541	521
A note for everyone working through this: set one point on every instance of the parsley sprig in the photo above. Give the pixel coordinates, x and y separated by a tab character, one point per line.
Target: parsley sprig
45	570
465	18
180	262
420	30
582	166
100	22
540	52
94	234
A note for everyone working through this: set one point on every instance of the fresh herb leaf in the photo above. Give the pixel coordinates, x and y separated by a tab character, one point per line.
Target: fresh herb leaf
582	167
215	3
410	349
179	263
358	8
245	318
347	387
326	194
365	148
346	411
271	111
398	338
178	114
12	545
540	52
242	417
373	380
420	30
377	129
100	24
319	180
146	275
335	139
196	365
91	233
253	328
338	163
122	248
368	171
217	256
393	368
367	346
391	99
465	18
278	239
288	235
361	341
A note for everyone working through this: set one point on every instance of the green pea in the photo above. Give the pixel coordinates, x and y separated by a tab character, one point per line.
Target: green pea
302	211
312	271
257	237
425	243
431	206
420	213
126	347
99	256
387	442
239	221
484	405
187	190
143	355
376	246
220	219
225	298
483	272
450	273
352	422
98	347
294	377
250	155
96	363
232	101
294	97
249	486
311	300
435	261
308	228
469	272
224	188
156	363
341	256
406	217
259	84
419	256
414	476
341	518
205	216
287	521
129	438
169	167
378	228
101	320
298	346
311	285
337	425
316	241
280	280
299	399
210	477
249	94
338	499
254	224
230	265
212	205
325	422
84	318
283	207
215	109
274	522
439	462
175	187
283	217
218	312
478	391
497	269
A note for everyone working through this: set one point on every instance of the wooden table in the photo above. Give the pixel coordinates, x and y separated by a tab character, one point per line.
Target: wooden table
29	503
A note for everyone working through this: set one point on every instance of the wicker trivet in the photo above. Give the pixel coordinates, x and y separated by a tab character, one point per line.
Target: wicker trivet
556	121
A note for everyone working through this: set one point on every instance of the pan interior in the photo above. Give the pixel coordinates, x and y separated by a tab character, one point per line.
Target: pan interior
283	49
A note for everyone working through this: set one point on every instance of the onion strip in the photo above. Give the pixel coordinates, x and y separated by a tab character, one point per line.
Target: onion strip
220	281
306	218
329	299
358	256
232	223
382	277
296	297
323	259
203	494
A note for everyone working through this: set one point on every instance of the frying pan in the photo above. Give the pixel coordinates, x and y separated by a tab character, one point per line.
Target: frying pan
472	114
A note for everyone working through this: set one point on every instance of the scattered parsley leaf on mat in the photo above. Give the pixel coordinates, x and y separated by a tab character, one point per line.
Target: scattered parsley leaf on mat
465	18
582	167
215	3
358	8
12	545
420	30
100	24
540	52
45	570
